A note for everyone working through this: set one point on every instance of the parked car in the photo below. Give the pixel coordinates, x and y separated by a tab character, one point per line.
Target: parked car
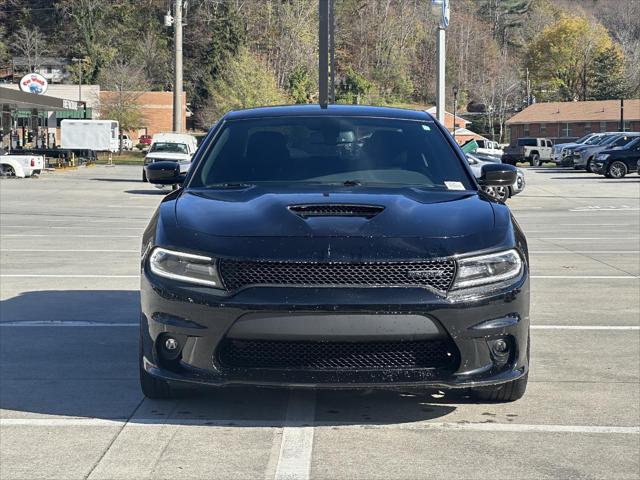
291	257
145	140
489	147
21	166
532	150
559	152
502	193
584	155
617	162
172	147
127	143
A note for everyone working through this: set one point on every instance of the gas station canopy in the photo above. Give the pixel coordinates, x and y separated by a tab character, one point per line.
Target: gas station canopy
18	100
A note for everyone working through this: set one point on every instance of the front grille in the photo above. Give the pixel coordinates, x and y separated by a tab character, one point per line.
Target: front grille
336	210
337	356
436	274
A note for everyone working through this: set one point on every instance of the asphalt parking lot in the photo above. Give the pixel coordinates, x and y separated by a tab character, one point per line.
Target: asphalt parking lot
71	406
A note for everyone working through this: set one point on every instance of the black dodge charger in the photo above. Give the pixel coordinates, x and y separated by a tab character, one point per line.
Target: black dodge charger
333	247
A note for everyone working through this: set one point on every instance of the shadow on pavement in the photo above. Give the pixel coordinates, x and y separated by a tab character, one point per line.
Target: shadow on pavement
151	191
127	180
80	369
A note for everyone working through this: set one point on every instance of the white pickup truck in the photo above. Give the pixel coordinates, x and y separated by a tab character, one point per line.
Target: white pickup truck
532	150
21	166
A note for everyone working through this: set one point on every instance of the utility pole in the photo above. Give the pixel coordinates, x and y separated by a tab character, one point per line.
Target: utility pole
323	52
622	114
177	56
455	107
332	52
441	8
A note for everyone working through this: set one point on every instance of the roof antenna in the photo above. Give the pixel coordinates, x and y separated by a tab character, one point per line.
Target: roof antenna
323	52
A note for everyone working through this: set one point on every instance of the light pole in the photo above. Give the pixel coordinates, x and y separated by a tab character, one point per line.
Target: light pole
455	105
80	62
176	21
441	9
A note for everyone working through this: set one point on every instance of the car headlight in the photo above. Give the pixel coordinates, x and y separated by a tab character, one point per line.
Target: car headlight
184	267
486	269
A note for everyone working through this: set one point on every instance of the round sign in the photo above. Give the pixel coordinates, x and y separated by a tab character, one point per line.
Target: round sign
33	83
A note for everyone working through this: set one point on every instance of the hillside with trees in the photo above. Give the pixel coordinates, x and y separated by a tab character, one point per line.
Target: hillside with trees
241	53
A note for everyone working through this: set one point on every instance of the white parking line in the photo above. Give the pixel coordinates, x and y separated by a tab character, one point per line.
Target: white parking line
59	250
585	327
589	277
554	252
294	462
301	463
65	276
66	227
71	235
66	323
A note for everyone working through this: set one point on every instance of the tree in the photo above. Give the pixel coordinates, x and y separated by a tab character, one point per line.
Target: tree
246	82
562	58
29	43
609	76
301	87
124	84
352	87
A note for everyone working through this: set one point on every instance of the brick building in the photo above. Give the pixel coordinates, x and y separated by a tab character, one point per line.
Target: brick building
157	111
565	121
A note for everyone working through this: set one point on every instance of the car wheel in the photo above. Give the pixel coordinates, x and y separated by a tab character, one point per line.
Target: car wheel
144	175
587	167
151	386
617	170
499	193
535	160
507	392
7	171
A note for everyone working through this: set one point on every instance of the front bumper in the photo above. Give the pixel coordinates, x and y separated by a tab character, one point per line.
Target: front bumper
202	321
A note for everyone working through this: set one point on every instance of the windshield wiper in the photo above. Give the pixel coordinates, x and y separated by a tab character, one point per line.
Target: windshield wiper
230	185
352	183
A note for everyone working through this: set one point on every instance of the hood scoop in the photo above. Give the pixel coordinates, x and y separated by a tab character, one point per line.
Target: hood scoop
336	210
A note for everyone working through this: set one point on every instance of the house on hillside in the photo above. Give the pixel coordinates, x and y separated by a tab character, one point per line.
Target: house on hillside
566	121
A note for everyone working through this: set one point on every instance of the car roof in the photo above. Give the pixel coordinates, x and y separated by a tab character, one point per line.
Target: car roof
330	110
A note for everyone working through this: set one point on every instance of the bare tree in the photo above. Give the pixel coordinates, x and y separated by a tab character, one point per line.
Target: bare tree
124	84
29	43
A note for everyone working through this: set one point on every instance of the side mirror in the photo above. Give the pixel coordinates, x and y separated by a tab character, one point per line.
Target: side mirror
164	173
498	175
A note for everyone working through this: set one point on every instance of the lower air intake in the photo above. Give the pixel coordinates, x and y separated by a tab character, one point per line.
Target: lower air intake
337	356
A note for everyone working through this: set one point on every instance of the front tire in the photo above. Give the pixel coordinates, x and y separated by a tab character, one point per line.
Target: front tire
617	170
588	167
152	387
507	392
535	160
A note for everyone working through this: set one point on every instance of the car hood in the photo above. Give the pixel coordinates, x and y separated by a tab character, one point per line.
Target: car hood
257	211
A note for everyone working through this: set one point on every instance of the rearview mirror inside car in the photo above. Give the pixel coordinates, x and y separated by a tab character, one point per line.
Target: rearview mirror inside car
164	173
497	175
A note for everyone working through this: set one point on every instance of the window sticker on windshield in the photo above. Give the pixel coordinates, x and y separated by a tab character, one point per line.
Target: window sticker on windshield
426	127
454	185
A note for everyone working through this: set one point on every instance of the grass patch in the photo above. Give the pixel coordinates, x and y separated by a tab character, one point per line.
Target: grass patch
124	158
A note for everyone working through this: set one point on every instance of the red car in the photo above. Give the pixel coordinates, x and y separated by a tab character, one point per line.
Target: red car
145	139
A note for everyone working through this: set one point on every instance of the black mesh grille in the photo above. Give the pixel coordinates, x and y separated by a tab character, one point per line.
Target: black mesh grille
340	356
437	274
336	210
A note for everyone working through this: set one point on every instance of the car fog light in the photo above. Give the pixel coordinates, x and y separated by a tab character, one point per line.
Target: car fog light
171	344
500	346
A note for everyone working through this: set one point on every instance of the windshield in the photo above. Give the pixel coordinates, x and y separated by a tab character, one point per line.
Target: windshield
584	139
167	147
527	142
332	150
623	140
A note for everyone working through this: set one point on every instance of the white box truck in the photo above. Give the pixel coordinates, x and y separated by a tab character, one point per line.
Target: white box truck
96	135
